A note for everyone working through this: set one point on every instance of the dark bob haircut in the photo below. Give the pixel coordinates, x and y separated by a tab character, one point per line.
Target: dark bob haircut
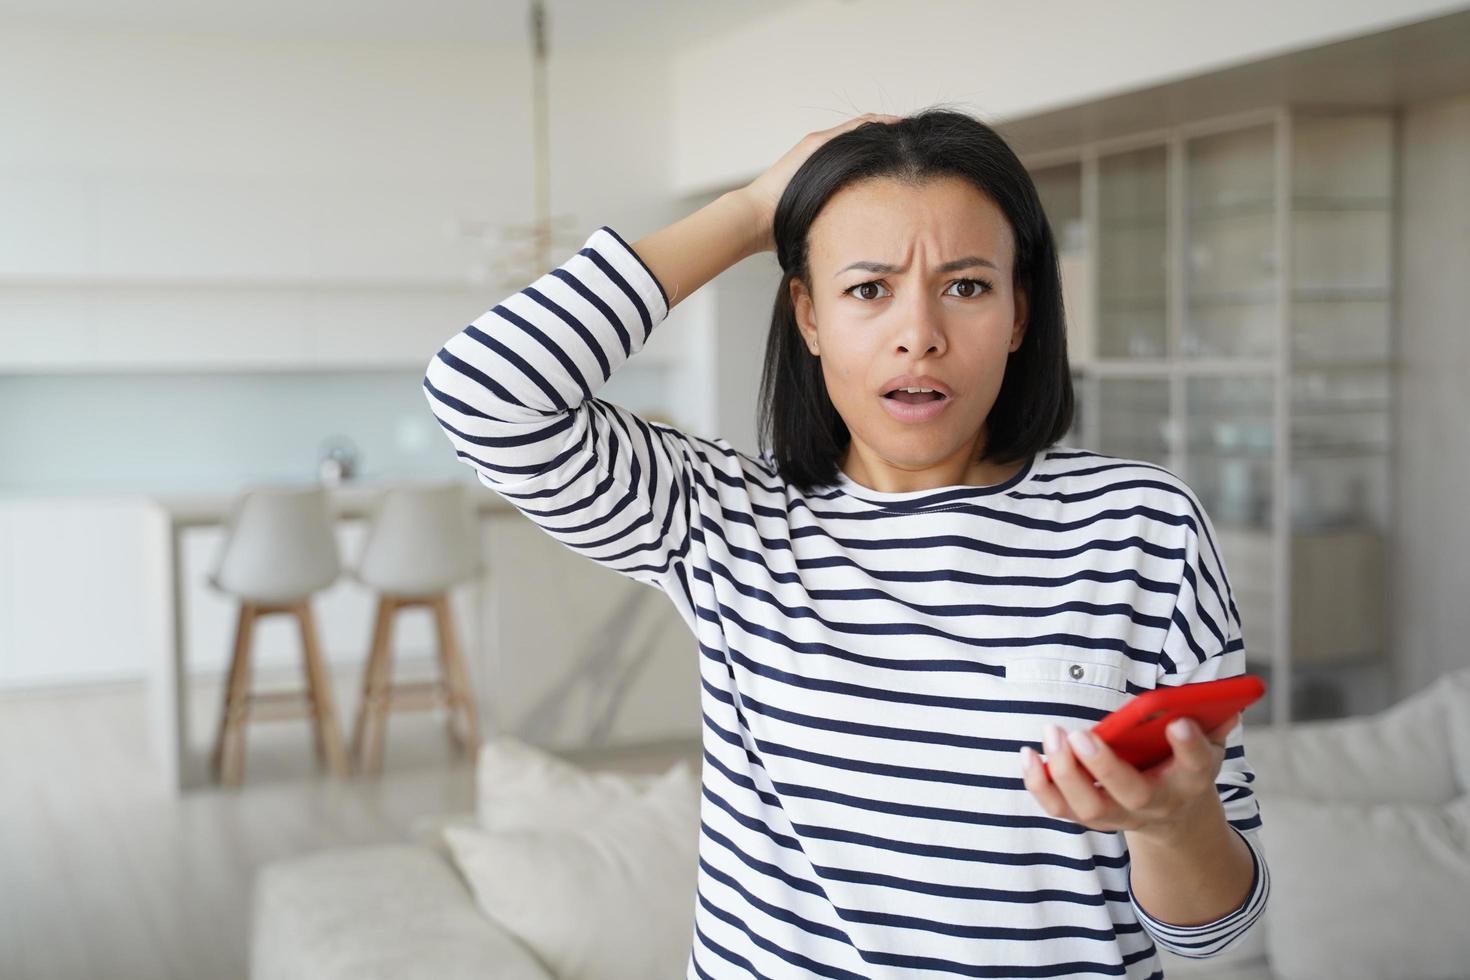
798	422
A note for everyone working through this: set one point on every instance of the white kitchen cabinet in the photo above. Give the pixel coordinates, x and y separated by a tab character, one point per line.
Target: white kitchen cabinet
215	229
79	587
102	273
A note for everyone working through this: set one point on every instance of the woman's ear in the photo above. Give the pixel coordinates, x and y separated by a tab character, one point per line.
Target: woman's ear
1018	331
806	320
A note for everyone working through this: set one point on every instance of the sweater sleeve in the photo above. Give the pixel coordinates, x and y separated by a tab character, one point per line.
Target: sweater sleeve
1204	643
514	392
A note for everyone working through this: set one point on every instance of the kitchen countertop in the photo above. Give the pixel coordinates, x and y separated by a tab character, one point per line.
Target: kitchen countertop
353	499
211	504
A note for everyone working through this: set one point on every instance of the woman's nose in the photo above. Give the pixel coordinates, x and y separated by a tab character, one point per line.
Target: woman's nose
921	331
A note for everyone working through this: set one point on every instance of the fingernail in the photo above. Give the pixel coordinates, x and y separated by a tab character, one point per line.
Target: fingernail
1180	728
1051	739
1083	744
1028	758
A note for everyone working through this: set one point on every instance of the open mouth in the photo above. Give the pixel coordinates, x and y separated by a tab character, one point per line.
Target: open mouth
915	396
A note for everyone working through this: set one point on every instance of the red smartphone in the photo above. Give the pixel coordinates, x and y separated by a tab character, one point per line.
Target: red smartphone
1135	732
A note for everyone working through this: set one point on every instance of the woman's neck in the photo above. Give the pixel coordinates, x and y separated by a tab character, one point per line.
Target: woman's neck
868	469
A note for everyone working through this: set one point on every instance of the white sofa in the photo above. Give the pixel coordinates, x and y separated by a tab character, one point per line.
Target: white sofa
1396	781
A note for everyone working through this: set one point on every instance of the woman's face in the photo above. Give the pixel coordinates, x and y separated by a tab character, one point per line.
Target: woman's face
911	288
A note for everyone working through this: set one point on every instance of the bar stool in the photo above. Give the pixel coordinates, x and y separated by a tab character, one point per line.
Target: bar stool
279	549
422	540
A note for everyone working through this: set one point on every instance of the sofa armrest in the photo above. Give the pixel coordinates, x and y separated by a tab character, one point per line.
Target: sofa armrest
385	911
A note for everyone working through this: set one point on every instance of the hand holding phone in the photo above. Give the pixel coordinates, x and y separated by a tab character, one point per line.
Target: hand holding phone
1135	732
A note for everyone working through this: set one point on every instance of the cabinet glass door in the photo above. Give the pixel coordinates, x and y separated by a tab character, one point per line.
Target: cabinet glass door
1341	405
1132	259
1231	261
1060	189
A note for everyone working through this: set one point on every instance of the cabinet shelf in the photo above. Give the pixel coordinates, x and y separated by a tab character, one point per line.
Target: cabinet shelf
1299	294
1302	365
1341	294
1266	207
1255	208
1329	407
1133	222
1341	451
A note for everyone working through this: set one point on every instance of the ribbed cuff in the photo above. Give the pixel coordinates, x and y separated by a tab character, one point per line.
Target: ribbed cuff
1201	941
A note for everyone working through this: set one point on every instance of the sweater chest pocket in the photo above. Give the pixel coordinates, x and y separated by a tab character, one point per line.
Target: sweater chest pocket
1085	682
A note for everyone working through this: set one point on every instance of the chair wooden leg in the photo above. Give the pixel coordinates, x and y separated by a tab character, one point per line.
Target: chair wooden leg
318	746
229	751
324	714
367	733
456	678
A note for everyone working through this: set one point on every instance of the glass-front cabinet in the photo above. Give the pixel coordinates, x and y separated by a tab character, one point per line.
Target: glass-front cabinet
1229	294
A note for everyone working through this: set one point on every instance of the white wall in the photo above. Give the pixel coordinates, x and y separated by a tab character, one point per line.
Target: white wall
137	166
382	121
744	98
1431	560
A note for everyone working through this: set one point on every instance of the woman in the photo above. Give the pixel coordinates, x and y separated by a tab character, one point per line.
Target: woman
908	592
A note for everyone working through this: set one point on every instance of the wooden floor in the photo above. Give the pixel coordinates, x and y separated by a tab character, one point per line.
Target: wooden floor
104	874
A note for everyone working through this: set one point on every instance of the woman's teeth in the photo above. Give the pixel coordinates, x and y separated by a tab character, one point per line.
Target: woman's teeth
914	395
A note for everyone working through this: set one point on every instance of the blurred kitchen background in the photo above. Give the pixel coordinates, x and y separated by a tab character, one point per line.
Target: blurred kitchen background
232	236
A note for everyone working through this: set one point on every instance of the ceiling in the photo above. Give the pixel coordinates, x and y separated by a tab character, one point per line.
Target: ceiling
570	23
1413	63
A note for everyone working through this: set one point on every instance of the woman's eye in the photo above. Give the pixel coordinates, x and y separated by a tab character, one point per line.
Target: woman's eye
976	287
861	289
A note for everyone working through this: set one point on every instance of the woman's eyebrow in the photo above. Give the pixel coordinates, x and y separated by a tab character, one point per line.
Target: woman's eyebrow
953	266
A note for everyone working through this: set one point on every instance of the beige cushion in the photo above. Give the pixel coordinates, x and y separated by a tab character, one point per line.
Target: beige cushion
385	912
1376	891
612	899
520	785
1417	751
1364	824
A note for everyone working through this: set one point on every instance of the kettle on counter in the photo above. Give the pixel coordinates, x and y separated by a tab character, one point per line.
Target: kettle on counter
339	461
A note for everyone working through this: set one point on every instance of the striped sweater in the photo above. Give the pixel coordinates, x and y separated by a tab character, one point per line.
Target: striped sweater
870	662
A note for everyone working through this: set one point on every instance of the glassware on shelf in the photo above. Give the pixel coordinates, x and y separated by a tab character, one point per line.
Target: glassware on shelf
1341	433
1229	443
1339	492
1132	260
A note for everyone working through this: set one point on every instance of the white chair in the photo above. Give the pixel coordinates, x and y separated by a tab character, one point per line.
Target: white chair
421	542
279	549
